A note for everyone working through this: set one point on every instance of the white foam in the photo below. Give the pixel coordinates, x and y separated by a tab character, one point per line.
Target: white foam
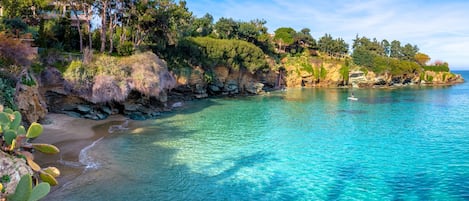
85	159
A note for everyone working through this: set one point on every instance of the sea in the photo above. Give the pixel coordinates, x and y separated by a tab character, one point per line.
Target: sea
409	143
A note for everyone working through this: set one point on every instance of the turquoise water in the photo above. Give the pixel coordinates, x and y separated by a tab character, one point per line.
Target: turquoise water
301	144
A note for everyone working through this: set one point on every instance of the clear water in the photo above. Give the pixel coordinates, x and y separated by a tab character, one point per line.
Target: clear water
302	144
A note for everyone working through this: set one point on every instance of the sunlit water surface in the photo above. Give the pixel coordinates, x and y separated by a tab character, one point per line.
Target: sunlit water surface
301	144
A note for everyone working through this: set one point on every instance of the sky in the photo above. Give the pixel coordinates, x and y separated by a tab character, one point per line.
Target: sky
440	28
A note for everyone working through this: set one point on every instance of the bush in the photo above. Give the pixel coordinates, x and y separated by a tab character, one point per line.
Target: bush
7	93
437	68
125	49
236	54
15	52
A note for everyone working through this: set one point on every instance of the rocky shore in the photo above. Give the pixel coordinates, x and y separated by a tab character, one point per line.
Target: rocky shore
141	98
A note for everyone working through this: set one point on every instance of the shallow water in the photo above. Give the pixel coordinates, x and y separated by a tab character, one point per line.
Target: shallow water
301	144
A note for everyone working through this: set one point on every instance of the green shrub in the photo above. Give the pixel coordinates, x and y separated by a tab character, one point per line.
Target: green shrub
437	68
236	54
125	49
7	93
79	73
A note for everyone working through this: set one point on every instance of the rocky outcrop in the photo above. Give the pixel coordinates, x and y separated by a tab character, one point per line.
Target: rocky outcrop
370	79
440	78
12	168
223	81
30	102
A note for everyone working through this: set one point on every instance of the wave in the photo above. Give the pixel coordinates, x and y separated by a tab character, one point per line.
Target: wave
85	159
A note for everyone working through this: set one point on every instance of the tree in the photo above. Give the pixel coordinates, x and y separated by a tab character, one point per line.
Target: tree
202	26
25	9
408	52
325	44
422	58
103	9
284	37
386	47
226	28
395	49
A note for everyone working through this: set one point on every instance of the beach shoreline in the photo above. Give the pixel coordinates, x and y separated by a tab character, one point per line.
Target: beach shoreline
71	135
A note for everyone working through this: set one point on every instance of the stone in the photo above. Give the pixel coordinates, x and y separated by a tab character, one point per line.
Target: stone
176	105
255	88
15	168
137	116
199	96
214	88
106	110
30	103
84	108
101	116
73	114
131	107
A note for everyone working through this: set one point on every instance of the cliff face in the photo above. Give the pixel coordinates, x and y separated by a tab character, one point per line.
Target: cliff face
328	74
147	90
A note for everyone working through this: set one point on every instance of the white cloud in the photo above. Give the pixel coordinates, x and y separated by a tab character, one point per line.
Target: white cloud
439	28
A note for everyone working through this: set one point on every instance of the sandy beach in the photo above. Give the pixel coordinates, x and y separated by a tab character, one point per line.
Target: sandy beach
71	135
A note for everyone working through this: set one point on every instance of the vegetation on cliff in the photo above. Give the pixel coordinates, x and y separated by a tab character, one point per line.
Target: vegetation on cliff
108	62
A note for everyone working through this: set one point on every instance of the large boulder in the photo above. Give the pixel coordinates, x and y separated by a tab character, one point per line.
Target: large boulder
13	168
28	99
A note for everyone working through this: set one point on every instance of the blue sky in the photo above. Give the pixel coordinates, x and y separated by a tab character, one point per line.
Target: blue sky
440	28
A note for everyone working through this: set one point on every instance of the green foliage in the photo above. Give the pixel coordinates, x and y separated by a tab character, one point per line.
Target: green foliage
25	192
236	54
125	49
333	47
7	93
79	73
429	78
437	68
285	35
34	130
14	140
28	80
344	72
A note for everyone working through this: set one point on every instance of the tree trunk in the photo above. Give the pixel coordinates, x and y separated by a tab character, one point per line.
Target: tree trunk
80	34
88	24
111	30
103	25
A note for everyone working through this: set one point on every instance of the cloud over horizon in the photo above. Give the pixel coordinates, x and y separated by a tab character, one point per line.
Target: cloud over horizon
439	28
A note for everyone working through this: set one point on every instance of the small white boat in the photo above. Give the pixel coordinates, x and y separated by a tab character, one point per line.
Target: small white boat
352	98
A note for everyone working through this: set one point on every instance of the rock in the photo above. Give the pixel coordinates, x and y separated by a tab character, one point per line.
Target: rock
214	88
73	114
84	108
30	103
176	105
101	116
255	88
130	107
137	116
15	168
106	110
199	96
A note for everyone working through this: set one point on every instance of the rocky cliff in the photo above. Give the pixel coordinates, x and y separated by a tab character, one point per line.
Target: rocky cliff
147	89
141	86
329	73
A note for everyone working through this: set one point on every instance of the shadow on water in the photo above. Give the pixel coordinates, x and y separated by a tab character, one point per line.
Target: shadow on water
345	174
353	111
135	168
419	185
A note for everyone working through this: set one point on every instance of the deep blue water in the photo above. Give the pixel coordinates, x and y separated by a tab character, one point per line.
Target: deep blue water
301	144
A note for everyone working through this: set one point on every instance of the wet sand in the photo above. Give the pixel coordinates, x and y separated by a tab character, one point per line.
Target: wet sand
71	135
